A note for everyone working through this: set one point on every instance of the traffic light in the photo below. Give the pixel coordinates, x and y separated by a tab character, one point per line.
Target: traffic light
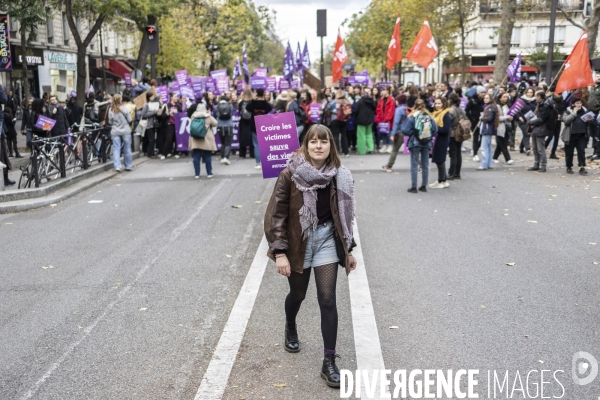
152	33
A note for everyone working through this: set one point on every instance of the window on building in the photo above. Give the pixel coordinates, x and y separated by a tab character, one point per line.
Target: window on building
14	28
116	39
543	35
515	40
66	29
49	26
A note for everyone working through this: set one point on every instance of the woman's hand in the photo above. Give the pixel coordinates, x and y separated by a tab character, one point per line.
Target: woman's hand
283	265
352	261
509	118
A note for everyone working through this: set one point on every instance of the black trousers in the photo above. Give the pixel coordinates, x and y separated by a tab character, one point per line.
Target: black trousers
501	147
476	141
526	138
225	135
150	140
455	157
169	140
578	142
338	128
554	135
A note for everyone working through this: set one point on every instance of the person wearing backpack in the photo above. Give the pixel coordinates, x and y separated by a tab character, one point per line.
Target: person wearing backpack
539	131
223	113
420	129
245	131
456	136
341	110
202	139
384	116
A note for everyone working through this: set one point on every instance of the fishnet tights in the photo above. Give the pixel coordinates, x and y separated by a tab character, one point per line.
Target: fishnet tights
325	279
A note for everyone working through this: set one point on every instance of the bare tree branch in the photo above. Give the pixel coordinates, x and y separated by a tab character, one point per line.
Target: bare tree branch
568	18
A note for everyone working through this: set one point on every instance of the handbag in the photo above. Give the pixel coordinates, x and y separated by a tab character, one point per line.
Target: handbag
141	128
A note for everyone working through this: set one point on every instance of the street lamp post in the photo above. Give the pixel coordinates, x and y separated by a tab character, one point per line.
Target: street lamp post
550	59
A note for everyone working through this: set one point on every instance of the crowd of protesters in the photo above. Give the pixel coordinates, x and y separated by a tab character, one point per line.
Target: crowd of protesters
363	120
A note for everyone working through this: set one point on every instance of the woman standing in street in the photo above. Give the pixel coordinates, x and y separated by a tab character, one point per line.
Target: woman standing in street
489	125
505	130
308	225
245	131
530	104
575	135
457	114
120	120
443	120
203	148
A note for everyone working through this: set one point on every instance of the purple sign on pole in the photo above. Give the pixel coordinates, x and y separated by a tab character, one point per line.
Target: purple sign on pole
186	91
315	110
383	85
516	107
277	140
181	77
210	85
163	93
463	103
127	77
240	85
220	73
182	131
221	85
271	84
343	82
283	85
361	79
45	123
198	85
257	82
260	72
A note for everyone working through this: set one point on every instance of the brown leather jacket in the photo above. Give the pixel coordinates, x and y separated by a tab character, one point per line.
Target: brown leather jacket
282	224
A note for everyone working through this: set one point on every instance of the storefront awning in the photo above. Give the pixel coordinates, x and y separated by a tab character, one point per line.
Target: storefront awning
485	70
97	73
119	67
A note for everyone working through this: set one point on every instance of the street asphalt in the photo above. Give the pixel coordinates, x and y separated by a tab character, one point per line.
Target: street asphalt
123	291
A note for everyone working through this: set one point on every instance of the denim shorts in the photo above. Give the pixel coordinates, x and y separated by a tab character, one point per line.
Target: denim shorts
320	246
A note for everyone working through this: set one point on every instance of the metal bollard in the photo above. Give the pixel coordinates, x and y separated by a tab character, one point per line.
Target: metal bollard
2	184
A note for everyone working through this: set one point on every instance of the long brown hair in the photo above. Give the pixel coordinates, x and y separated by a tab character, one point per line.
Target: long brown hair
492	103
323	133
116	103
420	106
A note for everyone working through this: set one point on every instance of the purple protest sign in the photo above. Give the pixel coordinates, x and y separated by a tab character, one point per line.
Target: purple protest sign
463	103
127	77
45	123
197	83
181	77
240	85
210	85
260	72
283	85
174	86
361	79
314	112
186	91
516	107
221	85
383	127
235	139
383	85
271	84
182	131
349	80
405	149
258	82
295	83
277	140
220	73
343	82
163	93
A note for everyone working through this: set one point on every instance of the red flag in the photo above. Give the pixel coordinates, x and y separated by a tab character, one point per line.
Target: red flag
577	72
340	56
424	49
394	54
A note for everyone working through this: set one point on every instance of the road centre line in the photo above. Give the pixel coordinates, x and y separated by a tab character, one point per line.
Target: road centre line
88	330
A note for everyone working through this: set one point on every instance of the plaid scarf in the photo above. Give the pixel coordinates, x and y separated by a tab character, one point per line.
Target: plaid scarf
308	180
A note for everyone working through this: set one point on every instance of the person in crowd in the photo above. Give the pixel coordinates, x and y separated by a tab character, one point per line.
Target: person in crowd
75	114
26	121
298	111
258	106
323	99
306	100
308	226
210	101
593	104
364	111
376	95
202	148
281	102
340	110
575	135
10	131
4	161
148	114
419	121
119	118
489	122
457	114
174	106
38	108
505	130
396	136
223	114
57	113
558	106
245	130
384	117
90	109
413	95
445	90
539	131
443	120
10	102
473	110
530	105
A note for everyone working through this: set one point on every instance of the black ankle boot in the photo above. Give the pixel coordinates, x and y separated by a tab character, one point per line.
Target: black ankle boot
7	181
330	372
292	345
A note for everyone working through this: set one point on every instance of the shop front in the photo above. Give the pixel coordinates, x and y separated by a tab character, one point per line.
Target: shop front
112	72
35	58
58	75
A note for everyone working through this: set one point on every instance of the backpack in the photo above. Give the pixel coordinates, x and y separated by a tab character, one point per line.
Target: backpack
246	115
344	112
423	128
224	110
198	128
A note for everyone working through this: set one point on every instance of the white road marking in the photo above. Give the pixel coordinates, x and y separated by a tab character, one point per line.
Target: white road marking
217	374
366	335
86	332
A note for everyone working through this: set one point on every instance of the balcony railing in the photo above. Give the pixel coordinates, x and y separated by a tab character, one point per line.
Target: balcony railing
495	7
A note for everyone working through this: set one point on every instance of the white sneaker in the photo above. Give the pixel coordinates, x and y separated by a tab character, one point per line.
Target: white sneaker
510	162
432	185
462	149
162	157
496	161
222	161
476	158
226	162
480	168
389	149
446	184
2	165
169	155
257	166
209	176
437	185
177	156
197	177
471	151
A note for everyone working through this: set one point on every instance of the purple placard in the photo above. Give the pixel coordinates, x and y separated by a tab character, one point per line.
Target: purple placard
181	77
258	82
343	82
198	85
405	149
350	80
271	84
210	85
260	72
516	107
221	85
174	86
463	103
182	131
163	93
45	123
186	91
220	73
127	77
383	127
295	83
277	140
240	86
361	79
283	85
314	112
383	85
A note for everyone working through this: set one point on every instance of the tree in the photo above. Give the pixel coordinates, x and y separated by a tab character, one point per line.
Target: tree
541	55
591	25
464	9
509	12
30	14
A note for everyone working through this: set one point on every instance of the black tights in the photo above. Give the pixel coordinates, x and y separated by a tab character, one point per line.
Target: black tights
326	279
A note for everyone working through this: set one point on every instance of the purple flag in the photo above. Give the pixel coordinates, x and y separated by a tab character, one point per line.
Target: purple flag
305	57
127	77
514	70
289	66
237	69
277	140
245	64
298	58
